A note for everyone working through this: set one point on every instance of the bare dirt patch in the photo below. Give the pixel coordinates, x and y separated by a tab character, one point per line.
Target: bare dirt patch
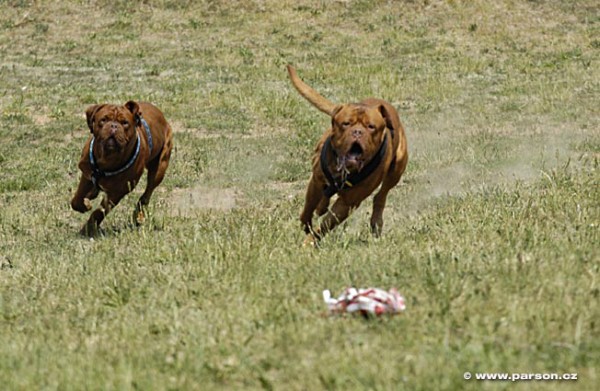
186	202
42	119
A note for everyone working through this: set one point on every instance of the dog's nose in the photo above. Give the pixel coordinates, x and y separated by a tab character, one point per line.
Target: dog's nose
356	133
113	128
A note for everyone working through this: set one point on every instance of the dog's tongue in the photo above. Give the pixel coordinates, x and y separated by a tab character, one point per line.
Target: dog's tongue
352	157
349	160
354	153
341	163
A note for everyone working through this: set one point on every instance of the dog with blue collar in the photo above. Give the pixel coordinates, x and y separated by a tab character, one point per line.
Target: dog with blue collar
124	141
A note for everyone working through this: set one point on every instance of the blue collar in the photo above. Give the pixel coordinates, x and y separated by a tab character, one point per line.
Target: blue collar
97	173
148	134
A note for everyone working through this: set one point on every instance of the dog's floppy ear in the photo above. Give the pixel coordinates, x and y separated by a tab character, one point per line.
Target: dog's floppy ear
386	116
133	107
334	112
89	115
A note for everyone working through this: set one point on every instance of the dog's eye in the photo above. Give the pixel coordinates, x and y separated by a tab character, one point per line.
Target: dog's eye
125	124
101	122
371	126
345	124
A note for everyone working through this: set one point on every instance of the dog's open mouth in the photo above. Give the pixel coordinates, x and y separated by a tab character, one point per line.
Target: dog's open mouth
352	159
355	152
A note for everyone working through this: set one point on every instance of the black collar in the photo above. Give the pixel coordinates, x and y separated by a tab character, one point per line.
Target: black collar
335	185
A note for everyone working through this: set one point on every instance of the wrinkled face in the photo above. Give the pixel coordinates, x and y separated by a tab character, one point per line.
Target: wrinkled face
113	126
357	134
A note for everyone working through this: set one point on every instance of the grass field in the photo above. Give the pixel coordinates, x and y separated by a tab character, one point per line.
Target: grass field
492	236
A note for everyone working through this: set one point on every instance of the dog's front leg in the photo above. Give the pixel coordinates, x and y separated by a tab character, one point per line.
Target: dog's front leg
86	191
314	198
109	201
336	215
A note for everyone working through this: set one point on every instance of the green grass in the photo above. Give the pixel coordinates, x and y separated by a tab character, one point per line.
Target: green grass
492	236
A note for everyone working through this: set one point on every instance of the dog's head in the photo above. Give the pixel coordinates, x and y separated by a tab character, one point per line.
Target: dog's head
357	133
113	126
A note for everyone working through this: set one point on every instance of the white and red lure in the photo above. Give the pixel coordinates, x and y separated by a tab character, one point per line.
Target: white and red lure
369	301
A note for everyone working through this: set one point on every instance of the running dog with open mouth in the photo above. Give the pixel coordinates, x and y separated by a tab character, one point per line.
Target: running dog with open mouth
364	148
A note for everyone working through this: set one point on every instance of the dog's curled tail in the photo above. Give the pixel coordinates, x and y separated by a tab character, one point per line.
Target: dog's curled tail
310	94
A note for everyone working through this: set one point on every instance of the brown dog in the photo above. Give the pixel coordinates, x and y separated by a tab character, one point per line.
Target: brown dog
364	148
124	140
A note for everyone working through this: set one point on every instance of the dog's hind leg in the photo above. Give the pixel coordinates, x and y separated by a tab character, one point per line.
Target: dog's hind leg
391	180
378	205
156	172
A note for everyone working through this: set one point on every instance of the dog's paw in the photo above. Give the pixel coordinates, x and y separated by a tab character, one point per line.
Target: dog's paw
376	230
89	230
310	241
81	206
139	217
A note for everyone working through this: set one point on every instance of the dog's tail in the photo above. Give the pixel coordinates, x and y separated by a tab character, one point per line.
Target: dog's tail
309	94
